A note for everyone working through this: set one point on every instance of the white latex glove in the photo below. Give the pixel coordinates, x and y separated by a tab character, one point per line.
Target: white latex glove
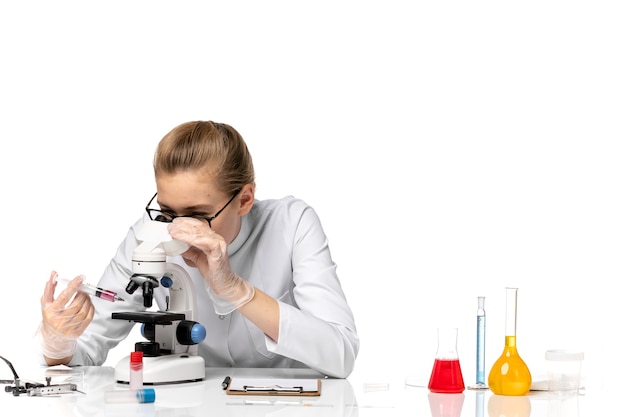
209	253
63	319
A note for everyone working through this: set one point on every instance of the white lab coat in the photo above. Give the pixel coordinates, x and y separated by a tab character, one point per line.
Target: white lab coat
282	250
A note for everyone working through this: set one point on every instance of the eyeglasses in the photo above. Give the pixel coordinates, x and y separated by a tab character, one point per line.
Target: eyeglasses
167	217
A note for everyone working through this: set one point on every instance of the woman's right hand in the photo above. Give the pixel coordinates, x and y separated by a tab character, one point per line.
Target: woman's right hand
63	319
209	253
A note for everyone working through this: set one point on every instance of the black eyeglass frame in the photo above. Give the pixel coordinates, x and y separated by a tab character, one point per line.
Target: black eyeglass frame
172	216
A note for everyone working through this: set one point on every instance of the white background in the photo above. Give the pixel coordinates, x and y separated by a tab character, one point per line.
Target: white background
450	150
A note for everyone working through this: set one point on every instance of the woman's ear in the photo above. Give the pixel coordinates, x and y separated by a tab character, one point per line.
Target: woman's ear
246	199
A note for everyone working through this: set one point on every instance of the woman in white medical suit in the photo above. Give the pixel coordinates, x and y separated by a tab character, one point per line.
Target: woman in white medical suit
266	263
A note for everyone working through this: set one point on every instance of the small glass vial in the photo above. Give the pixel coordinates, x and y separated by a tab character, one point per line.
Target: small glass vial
136	370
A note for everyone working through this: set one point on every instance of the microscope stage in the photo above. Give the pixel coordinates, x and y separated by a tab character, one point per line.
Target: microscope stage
152	317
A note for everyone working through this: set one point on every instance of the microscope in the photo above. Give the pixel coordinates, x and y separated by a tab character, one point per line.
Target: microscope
170	352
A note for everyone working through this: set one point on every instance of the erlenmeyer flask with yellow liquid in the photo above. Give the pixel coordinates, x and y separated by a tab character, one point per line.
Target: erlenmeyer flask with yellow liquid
510	375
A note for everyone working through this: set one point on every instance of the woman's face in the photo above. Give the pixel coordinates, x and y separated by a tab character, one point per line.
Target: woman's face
190	193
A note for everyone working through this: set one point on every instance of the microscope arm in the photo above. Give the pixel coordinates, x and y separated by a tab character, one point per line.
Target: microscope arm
181	290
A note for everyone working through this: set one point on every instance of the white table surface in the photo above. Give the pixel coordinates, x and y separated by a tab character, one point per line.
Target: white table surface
358	395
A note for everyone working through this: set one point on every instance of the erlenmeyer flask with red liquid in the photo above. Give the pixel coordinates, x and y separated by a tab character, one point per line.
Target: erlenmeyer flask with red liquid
446	376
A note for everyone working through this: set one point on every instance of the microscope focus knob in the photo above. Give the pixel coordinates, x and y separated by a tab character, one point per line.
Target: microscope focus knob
148	331
190	332
149	349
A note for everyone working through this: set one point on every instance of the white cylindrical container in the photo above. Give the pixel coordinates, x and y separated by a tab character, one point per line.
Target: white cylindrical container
564	369
141	396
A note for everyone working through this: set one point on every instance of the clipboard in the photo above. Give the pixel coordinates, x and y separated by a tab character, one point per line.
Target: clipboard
274	386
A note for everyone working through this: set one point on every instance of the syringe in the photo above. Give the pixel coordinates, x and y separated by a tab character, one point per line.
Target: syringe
94	291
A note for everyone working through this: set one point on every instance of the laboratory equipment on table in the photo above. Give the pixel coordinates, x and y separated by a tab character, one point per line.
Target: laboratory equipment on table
140	396
170	353
35	389
446	376
94	291
510	375
481	319
564	368
136	370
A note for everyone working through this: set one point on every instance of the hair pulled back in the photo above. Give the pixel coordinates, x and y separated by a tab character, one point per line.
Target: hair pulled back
216	149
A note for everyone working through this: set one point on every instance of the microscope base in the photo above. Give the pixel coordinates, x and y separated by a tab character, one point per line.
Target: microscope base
166	369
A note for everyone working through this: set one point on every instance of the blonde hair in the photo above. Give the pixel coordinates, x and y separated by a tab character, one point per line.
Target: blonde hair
215	148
